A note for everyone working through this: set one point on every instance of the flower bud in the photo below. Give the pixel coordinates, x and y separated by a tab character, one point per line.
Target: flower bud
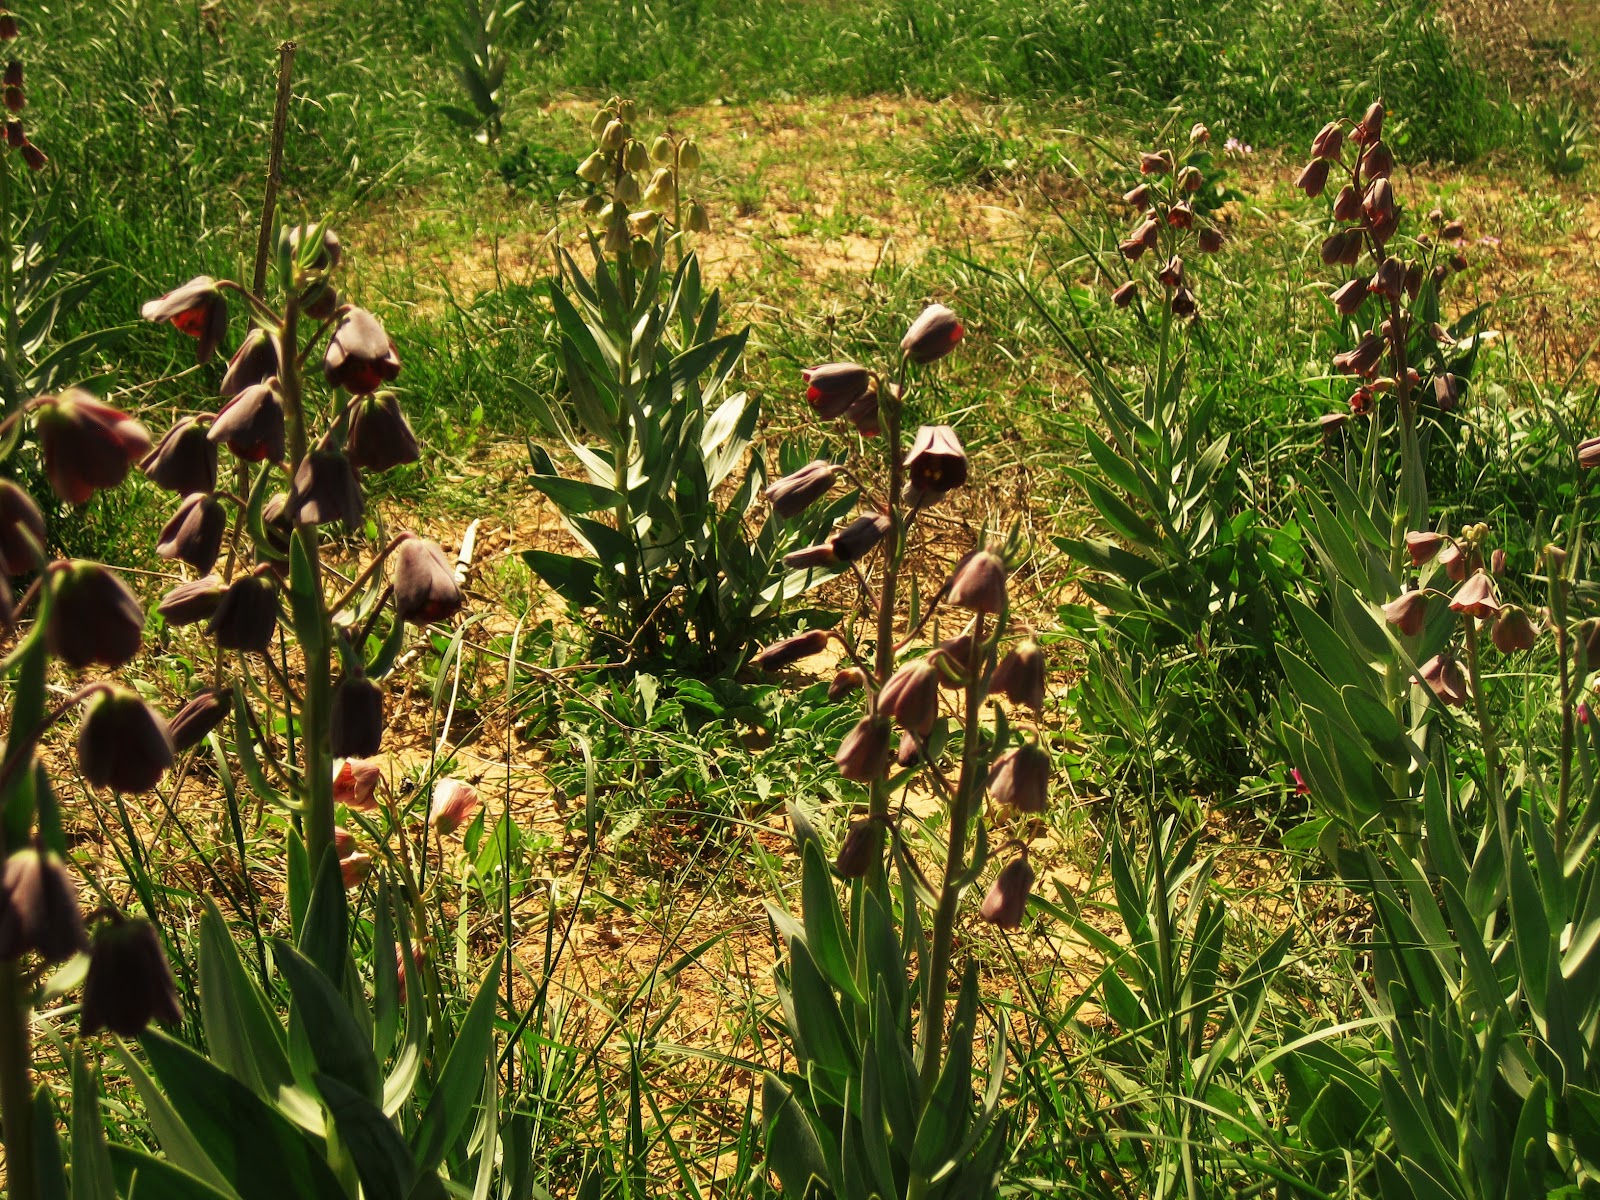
247	614
863	755
979	583
1447	392
787	651
799	490
1413	280
355	783
39	908
1124	295
1020	676
197	309
857	539
1349	298
123	743
360	357
932	335
911	696
1155	163
252	424
87	445
809	557
195	532
936	462
1406	613
1363	359
1377	161
908	751
851	679
129	983
1371	127
354	868
184	461
1476	597
1313	178
1006	902
1443	676
325	490
355	728
453	803
1209	240
203	712
861	848
1020	778
1328	142
425	588
1513	630
189	602
1497	562
380	438
1342	248
834	387
93	617
22	531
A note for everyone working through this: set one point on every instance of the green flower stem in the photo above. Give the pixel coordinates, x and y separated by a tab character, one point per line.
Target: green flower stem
1491	747
16	1084
1558	618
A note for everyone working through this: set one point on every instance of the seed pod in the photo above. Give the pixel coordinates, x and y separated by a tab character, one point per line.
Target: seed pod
1124	295
252	424
1313	178
979	583
911	696
863	755
454	801
325	490
1406	612
1442	674
1349	298
203	712
857	539
355	783
932	335
195	532
123	743
425	588
860	848
87	445
1328	142
184	461
129	983
360	357
355	728
1476	597
936	462
1020	778
94	618
1006	902
247	614
799	490
834	387
851	679
189	602
1020	676
787	651
379	437
197	309
39	908
22	531
1513	630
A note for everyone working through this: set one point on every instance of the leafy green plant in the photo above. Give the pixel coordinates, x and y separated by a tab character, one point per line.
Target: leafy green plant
480	65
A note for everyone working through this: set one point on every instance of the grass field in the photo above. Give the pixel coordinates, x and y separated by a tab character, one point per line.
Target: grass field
1232	979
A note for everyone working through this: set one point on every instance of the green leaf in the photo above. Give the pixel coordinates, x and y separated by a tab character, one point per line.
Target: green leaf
382	1160
242	1034
826	936
145	1177
793	1151
575	496
178	1142
323	935
453	1101
91	1164
575	580
338	1043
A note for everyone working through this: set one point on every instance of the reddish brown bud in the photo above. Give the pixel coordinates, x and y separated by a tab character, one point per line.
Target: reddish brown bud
834	387
93	617
190	602
87	445
1006	902
1342	248
129	984
197	309
123	743
811	557
1377	161
851	679
195	532
22	531
1349	298
799	490
360	357
787	651
1020	778
1423	546
252	424
932	335
247	614
863	755
425	588
1371	127
355	729
203	712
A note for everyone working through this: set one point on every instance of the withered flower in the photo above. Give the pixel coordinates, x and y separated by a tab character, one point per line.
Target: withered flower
123	743
360	357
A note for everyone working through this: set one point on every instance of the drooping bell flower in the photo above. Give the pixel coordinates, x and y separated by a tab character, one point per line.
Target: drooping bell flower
865	415
979	583
198	309
1019	677
454	802
254	362
799	490
857	539
1006	902
252	423
1209	240
1447	392
195	532
1371	127
1139	196
355	783
360	357
354	868
1342	248
39	908
1476	597
356	724
203	712
1328	142
911	696
834	387
93	618
787	651
1377	160
1406	612
1423	545
1155	162
1362	359
1348	299
1383	215
1390	278
129	984
184	461
87	445
1020	778
847	681
123	743
1497	562
860	848
247	614
1171	274
1330	423
194	601
1347	204
936	463
956	659
863	755
1454	561
326	489
425	588
932	335
1589	453
1181	215
1313	178
1513	630
1124	295
380	438
22	531
908	753
1442	674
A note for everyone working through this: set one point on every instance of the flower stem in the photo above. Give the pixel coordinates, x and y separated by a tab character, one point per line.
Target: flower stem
16	1085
